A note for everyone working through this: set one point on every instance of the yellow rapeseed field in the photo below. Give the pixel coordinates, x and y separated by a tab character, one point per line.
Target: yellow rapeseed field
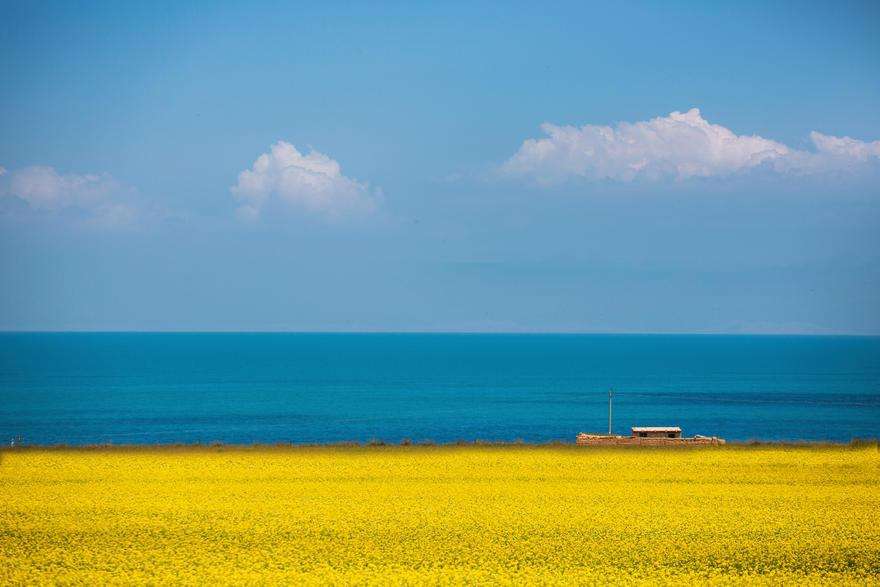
440	515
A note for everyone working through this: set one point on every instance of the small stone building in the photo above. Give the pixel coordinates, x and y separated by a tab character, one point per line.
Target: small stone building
656	432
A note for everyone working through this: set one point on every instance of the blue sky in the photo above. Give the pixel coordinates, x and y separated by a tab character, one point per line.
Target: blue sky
383	166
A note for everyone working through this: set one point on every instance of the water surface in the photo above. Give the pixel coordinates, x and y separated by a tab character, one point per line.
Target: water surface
305	388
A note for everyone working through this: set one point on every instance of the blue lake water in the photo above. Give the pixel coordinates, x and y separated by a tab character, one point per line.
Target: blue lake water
315	388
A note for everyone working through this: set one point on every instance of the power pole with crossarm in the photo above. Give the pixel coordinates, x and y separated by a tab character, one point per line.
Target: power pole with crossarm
610	395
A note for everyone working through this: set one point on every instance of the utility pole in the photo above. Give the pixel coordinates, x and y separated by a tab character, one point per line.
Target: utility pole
610	395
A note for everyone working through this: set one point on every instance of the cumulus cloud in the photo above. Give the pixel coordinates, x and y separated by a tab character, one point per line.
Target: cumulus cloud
845	147
679	146
96	198
312	182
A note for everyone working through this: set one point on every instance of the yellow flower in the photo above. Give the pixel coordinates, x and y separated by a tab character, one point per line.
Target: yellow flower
416	515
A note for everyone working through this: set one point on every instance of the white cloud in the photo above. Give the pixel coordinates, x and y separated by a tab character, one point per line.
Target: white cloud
312	182
678	146
97	198
845	147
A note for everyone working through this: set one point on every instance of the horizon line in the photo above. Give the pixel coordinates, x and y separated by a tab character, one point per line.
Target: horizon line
448	332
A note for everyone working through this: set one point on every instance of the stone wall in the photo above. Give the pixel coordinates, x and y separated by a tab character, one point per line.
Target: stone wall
597	440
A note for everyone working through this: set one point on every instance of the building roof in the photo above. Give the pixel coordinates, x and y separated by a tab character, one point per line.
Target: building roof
656	429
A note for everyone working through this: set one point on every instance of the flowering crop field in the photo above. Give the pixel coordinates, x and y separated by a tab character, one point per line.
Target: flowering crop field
440	515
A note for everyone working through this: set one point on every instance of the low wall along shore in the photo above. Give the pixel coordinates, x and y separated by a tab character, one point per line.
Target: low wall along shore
603	440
